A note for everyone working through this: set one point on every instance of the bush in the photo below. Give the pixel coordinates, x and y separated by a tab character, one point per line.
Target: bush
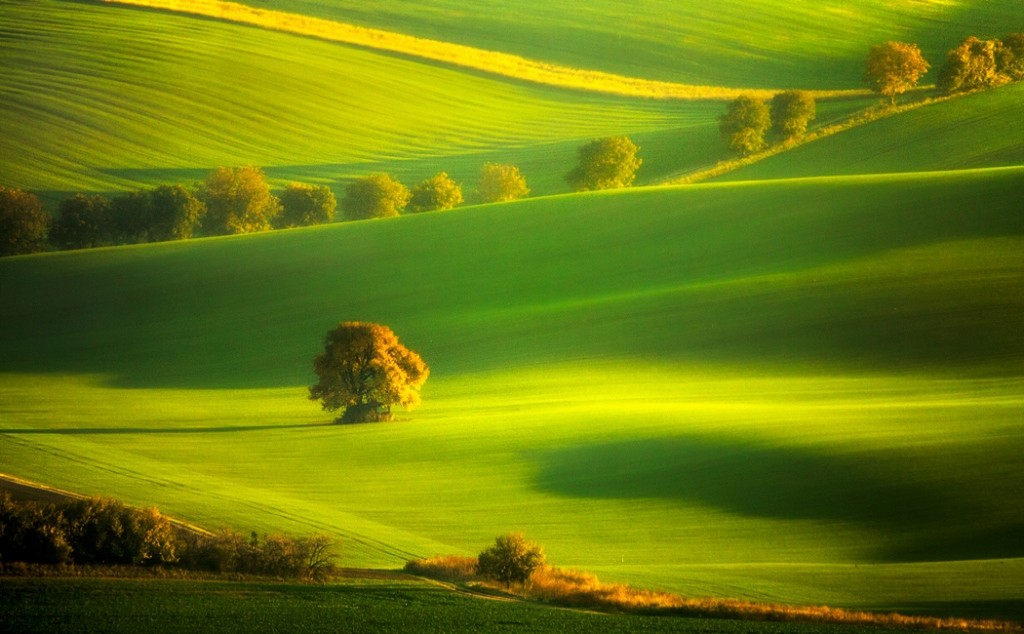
609	163
435	194
501	183
791	112
971	65
1011	57
444	567
83	221
745	124
375	196
23	223
310	559
305	205
238	200
511	559
105	531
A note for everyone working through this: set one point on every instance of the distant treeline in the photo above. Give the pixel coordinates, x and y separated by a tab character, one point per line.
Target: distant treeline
105	532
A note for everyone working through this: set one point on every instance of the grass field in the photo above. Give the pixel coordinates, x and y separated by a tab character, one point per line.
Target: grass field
805	387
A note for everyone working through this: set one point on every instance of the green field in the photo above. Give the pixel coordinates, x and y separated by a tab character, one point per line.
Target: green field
803	387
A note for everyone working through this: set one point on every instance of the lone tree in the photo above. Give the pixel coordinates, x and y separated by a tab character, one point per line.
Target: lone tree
436	193
894	68
304	205
511	558
238	200
501	183
609	163
23	223
745	124
364	370
973	64
83	221
791	112
375	196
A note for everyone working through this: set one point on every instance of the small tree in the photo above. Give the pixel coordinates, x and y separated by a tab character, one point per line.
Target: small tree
23	223
375	196
1011	57
971	65
83	221
501	183
436	193
364	370
894	68
238	200
745	124
791	112
304	205
609	163
174	213
130	217
511	559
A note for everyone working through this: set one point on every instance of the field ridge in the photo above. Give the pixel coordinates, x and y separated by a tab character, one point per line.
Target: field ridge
492	62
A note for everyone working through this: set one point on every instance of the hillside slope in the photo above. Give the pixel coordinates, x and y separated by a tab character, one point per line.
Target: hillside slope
979	130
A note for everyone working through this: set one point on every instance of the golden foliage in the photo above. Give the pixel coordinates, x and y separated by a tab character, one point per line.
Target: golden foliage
495	62
444	567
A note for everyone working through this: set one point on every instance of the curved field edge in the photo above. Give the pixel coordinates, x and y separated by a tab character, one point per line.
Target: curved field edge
492	62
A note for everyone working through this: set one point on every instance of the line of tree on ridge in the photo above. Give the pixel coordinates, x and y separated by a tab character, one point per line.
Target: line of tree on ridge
891	69
237	200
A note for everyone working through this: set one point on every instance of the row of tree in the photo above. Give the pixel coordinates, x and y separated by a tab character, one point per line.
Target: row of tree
105	532
234	200
746	124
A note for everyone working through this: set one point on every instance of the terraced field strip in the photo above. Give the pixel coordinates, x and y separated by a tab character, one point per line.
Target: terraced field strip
494	62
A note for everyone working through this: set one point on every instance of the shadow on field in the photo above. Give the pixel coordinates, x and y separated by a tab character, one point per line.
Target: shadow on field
922	514
87	431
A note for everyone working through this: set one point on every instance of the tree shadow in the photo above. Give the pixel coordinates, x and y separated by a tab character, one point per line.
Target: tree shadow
923	519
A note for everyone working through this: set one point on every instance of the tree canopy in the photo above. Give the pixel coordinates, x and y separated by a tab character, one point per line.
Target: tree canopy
238	200
438	192
893	68
609	163
745	124
512	558
501	183
375	196
973	64
23	223
83	221
304	205
791	112
364	370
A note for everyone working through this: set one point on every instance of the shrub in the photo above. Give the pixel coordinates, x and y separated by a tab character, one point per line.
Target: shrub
971	65
375	196
83	221
304	205
745	124
609	163
444	567
238	200
1011	57
228	551
501	183
23	223
791	112
105	531
511	559
437	193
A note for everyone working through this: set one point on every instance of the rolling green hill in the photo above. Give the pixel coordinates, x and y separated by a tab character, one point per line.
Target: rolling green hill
739	43
979	130
805	390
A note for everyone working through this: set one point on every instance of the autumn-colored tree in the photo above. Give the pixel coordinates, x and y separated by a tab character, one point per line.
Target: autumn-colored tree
304	205
512	558
791	112
893	68
238	200
501	183
1011	57
375	196
83	221
436	193
23	223
364	370
609	163
972	65
745	124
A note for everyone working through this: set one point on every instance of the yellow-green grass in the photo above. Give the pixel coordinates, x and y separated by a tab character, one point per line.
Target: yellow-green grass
104	98
804	391
978	130
738	43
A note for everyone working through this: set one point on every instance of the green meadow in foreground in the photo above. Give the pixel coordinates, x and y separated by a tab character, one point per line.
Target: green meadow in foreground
803	391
